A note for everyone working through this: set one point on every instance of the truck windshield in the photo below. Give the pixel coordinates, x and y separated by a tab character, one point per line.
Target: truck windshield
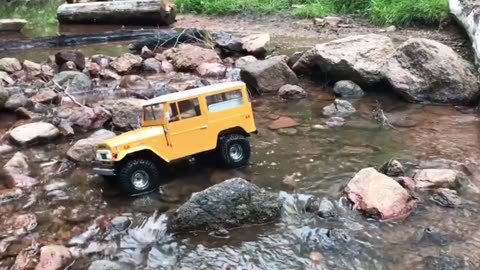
153	112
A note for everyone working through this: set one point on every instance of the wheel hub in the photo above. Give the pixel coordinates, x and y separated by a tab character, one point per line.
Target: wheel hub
140	179
236	152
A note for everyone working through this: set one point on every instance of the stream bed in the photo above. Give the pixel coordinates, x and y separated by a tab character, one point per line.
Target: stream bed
310	159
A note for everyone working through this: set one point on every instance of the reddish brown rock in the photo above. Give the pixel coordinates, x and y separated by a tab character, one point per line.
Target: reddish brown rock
188	57
54	258
126	63
283	122
75	57
94	70
45	96
378	195
21	181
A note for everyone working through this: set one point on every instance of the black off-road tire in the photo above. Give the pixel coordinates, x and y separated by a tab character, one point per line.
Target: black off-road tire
131	169
226	154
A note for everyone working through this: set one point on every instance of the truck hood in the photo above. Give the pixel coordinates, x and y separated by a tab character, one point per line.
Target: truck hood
132	138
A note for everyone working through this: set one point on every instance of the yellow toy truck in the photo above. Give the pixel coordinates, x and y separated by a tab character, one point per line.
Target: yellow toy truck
213	121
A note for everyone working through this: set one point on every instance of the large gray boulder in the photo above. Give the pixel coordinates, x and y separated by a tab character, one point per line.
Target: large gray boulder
83	151
267	76
34	132
466	12
74	80
187	57
127	113
229	204
357	58
423	70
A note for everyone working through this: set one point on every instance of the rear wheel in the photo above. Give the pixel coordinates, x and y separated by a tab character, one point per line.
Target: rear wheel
234	150
138	176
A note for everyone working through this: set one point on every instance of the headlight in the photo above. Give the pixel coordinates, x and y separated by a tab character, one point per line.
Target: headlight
104	155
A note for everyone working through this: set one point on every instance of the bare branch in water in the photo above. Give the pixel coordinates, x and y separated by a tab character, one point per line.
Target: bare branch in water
380	116
65	92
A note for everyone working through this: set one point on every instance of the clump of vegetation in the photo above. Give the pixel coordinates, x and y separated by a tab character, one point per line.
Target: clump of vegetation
384	12
41	15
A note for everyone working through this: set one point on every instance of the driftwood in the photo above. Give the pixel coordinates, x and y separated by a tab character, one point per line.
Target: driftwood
130	12
168	40
75	40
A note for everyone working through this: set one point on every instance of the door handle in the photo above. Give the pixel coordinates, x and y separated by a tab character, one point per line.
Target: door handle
204	127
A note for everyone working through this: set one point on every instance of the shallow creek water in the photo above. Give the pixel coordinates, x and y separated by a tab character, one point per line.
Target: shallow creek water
311	162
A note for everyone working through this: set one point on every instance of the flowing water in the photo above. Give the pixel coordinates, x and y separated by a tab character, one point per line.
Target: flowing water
313	161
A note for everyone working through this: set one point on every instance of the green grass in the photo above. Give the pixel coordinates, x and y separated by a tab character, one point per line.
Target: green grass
382	12
41	16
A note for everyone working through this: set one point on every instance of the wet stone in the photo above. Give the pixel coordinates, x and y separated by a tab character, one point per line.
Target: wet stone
8	195
324	208
120	223
18	164
54	257
108	265
335	121
16	101
340	108
446	197
392	168
283	122
289	91
348	89
287	131
444	263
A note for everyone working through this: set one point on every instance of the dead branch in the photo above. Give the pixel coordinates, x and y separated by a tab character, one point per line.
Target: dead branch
64	91
380	116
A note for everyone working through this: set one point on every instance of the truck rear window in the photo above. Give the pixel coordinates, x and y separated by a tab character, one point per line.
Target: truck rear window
224	101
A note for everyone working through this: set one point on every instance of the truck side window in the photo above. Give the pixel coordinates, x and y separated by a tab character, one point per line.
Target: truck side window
224	101
189	108
173	112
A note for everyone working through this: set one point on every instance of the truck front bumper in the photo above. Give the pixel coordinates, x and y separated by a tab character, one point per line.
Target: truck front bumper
103	168
104	171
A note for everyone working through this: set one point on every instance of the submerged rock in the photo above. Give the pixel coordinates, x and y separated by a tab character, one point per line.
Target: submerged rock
379	195
356	58
446	197
436	178
423	70
267	76
18	164
54	257
108	265
84	150
126	63
74	80
324	208
340	108
283	122
34	132
348	89
188	57
8	195
289	91
232	203
335	121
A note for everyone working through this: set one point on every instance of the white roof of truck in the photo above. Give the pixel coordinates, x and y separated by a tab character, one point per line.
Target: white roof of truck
192	92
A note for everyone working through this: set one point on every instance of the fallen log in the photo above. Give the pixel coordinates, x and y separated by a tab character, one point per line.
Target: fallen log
130	12
83	39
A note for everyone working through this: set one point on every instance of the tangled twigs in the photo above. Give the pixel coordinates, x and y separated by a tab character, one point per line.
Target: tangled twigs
380	116
65	92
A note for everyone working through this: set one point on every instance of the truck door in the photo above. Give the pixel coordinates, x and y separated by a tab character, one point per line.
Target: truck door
187	128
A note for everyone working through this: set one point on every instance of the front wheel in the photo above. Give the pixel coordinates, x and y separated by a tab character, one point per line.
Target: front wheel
234	150
138	176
